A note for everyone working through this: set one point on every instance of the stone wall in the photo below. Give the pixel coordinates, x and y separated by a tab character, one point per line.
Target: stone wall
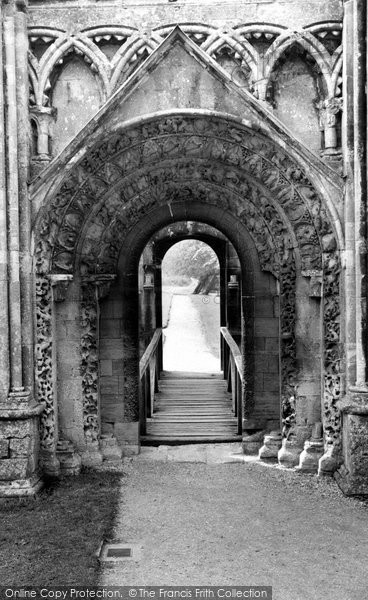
288	56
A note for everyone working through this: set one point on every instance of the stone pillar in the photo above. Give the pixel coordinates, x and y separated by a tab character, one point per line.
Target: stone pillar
353	475
94	288
4	324
44	376
18	411
44	118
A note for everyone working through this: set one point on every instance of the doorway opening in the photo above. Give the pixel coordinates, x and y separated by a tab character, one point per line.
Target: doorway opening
189	282
191	308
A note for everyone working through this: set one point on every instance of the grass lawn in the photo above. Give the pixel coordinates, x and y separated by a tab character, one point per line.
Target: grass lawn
52	539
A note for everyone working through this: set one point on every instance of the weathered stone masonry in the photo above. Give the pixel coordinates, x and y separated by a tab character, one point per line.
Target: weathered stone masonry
249	118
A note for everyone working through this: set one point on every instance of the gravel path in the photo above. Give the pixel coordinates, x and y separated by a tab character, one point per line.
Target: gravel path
185	346
241	524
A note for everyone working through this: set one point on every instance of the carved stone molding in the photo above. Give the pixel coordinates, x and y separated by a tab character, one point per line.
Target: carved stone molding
94	288
89	361
44	367
215	163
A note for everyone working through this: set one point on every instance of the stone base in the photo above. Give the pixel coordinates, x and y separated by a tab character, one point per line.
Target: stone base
70	461
289	454
309	458
330	461
49	464
110	450
131	450
251	444
21	487
92	456
352	477
271	446
349	484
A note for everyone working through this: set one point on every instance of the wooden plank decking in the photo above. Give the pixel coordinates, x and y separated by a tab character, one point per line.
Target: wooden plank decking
191	408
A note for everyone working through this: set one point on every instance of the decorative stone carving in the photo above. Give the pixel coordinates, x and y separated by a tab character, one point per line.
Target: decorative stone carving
44	373
214	162
60	284
89	361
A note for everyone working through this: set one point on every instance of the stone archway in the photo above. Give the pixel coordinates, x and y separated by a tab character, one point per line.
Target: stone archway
214	169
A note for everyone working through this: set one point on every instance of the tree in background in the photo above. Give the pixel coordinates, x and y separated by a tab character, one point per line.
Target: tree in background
192	259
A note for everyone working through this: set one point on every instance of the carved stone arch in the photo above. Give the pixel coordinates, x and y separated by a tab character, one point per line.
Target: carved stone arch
56	54
242	50
315	50
253	148
130	57
200	33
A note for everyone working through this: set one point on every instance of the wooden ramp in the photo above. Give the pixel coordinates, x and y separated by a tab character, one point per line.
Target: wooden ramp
191	408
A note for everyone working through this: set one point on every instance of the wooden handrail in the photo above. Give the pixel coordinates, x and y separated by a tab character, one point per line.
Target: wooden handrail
149	352
234	350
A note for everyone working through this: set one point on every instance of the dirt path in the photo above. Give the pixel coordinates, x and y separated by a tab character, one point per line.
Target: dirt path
185	346
241	524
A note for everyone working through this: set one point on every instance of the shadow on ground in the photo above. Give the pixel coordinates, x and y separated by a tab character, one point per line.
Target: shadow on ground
52	539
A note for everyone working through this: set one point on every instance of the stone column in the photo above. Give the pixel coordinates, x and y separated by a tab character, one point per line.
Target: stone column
94	288
44	117
18	412
353	475
4	324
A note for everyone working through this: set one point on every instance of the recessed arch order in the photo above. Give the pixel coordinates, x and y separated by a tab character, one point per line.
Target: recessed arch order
205	167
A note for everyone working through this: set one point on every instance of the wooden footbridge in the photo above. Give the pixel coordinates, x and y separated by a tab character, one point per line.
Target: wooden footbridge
180	407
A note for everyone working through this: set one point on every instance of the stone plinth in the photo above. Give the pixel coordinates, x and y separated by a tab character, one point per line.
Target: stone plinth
19	448
70	461
251	444
352	477
91	456
288	455
111	452
271	446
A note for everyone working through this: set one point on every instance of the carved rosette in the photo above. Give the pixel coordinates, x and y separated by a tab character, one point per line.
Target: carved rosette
89	361
44	373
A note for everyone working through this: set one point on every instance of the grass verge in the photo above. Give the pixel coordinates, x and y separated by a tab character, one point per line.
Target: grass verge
52	539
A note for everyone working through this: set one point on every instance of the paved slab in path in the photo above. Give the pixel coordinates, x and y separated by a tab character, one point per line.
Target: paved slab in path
239	524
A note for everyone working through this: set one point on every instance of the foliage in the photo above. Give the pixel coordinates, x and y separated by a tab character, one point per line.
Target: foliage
192	259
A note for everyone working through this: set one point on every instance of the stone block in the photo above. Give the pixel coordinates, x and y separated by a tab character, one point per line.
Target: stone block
264	307
110	328
14	468
19	447
127	433
272	344
16	428
112	348
117	366
109	385
4	448
266	327
106	368
271	382
352	477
